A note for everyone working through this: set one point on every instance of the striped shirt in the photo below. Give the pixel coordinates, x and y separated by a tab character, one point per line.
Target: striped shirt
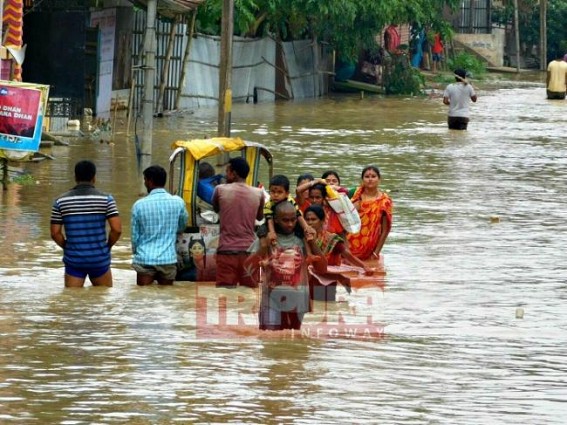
156	220
83	212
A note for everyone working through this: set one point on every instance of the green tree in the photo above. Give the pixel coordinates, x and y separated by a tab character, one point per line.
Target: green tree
347	25
529	13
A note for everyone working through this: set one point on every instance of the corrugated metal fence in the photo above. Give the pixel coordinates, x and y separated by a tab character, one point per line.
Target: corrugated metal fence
256	68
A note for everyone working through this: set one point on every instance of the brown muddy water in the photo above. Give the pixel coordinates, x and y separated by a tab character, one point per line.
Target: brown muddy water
479	238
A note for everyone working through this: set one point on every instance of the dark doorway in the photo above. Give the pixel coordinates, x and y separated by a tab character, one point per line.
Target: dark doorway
56	54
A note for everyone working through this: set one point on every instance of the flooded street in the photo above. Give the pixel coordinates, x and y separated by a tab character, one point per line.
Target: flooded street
479	235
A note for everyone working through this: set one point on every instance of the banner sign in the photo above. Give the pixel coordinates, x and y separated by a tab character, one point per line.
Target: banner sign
22	108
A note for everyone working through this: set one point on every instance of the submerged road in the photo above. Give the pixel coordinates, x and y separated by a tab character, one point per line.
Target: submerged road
478	240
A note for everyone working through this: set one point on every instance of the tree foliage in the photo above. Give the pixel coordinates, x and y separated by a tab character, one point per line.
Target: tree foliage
347	25
529	13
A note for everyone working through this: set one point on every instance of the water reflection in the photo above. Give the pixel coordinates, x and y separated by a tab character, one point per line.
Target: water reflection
453	351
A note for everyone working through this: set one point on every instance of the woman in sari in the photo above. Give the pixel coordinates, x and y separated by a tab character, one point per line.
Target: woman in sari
332	246
375	210
318	196
302	191
332	178
323	286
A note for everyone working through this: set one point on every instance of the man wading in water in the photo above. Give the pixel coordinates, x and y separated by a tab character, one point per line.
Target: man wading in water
457	96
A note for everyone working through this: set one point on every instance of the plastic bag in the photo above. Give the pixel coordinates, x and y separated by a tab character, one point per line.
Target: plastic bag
343	206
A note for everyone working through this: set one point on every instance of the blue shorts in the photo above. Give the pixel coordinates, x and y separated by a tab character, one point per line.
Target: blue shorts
82	273
437	57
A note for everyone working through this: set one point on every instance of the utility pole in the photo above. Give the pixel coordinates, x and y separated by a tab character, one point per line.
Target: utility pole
225	69
149	68
181	84
543	34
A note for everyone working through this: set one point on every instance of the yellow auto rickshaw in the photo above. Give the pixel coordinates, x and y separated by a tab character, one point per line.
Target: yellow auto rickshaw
197	245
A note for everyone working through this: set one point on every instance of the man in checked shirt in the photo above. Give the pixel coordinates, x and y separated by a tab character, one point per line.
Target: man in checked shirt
156	220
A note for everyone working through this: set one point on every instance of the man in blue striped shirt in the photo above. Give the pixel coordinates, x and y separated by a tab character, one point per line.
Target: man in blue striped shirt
83	213
156	220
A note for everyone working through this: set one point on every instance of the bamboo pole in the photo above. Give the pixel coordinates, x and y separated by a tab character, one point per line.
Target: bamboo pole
3	161
133	69
185	59
113	130
165	69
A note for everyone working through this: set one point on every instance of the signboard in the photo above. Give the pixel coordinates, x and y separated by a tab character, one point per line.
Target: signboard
22	108
105	20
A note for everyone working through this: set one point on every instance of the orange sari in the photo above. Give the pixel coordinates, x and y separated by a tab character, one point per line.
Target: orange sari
363	243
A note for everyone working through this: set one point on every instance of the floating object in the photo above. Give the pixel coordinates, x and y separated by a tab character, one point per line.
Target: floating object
352	86
74	124
494	219
519	313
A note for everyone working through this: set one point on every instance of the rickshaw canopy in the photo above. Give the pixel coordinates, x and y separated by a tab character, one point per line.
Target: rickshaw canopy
193	151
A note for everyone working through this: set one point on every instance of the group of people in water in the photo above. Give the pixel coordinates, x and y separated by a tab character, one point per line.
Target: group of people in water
301	237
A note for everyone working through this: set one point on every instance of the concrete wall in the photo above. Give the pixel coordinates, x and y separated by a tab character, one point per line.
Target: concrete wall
489	46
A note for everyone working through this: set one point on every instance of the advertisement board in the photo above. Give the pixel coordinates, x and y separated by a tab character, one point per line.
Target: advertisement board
22	107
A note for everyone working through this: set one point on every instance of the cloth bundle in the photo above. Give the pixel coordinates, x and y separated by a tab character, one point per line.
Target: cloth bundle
343	206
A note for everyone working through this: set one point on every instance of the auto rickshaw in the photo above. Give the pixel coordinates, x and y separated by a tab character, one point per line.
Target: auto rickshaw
196	247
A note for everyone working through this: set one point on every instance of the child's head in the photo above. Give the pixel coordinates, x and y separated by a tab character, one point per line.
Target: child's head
285	218
318	194
279	188
206	170
315	216
331	177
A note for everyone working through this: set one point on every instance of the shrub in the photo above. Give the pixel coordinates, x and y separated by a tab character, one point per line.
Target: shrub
401	78
467	61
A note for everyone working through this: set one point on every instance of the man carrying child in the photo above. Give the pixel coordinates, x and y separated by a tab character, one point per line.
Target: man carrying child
285	289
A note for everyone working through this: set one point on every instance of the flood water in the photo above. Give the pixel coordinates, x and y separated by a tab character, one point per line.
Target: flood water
479	237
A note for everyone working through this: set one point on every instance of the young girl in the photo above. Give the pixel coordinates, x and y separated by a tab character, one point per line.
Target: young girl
375	210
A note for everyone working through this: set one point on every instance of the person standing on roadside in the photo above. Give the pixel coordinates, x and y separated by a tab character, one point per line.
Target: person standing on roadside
78	225
239	206
556	81
457	96
437	52
156	221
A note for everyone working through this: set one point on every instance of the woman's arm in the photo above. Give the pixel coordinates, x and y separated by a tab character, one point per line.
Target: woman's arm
385	227
320	261
347	255
307	185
